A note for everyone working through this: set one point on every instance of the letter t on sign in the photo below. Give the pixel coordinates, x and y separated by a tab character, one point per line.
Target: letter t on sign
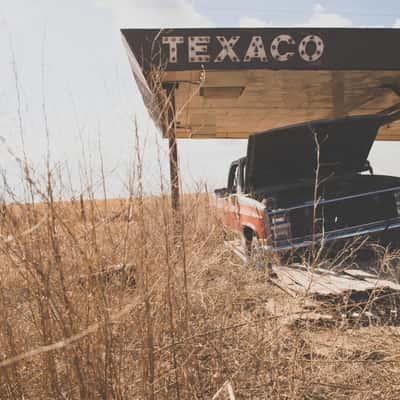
173	42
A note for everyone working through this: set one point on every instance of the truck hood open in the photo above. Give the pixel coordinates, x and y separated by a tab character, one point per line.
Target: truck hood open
290	153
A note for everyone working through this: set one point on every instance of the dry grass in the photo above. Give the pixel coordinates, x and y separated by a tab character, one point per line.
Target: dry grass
181	320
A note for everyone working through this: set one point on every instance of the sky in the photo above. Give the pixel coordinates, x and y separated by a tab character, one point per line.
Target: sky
67	90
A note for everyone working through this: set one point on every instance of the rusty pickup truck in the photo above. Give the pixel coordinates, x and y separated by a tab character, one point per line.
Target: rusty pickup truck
311	183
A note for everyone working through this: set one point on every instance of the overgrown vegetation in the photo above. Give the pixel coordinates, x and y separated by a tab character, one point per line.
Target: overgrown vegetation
126	299
123	299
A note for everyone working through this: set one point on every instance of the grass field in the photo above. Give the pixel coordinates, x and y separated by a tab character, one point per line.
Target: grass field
175	317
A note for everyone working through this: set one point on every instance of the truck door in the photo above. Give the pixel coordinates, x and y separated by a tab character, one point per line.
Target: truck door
233	203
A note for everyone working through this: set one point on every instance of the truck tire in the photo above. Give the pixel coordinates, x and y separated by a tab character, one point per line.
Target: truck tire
252	248
248	237
255	254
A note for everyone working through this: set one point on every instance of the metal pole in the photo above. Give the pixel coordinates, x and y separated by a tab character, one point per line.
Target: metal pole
173	145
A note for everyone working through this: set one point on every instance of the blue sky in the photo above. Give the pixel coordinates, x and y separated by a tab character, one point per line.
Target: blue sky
359	13
72	69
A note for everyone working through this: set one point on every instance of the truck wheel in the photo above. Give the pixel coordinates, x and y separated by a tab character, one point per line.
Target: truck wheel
255	254
247	241
252	248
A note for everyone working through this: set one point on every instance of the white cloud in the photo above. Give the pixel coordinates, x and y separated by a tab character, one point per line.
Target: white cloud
155	13
397	23
252	22
321	18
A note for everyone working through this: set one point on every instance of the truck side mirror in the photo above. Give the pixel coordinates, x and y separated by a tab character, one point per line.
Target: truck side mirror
223	192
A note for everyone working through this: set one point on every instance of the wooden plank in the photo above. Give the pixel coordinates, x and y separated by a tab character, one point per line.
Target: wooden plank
383	283
374	280
286	283
343	283
307	281
358	273
328	282
298	280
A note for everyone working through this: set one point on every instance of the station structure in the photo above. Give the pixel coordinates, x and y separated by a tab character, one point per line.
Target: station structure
232	82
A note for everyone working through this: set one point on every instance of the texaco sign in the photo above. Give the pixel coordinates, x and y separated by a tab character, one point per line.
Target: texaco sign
280	48
269	48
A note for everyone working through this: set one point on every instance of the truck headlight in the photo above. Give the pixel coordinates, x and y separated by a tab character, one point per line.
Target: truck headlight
397	201
280	227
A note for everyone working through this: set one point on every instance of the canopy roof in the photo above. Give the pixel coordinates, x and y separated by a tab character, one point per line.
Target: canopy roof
230	83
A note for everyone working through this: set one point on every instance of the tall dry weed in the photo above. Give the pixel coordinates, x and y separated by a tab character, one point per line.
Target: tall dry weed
126	299
109	300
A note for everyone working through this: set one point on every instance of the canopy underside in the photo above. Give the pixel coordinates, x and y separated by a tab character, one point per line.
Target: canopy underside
235	104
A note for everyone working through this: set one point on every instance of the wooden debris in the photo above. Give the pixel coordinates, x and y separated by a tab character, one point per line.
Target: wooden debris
319	282
354	294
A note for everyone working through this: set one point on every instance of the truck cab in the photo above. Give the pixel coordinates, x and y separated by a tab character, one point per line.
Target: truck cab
239	211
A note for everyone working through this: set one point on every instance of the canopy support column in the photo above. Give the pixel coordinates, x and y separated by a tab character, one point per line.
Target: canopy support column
172	144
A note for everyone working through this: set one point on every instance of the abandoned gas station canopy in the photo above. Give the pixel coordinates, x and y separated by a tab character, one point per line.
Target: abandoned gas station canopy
230	83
